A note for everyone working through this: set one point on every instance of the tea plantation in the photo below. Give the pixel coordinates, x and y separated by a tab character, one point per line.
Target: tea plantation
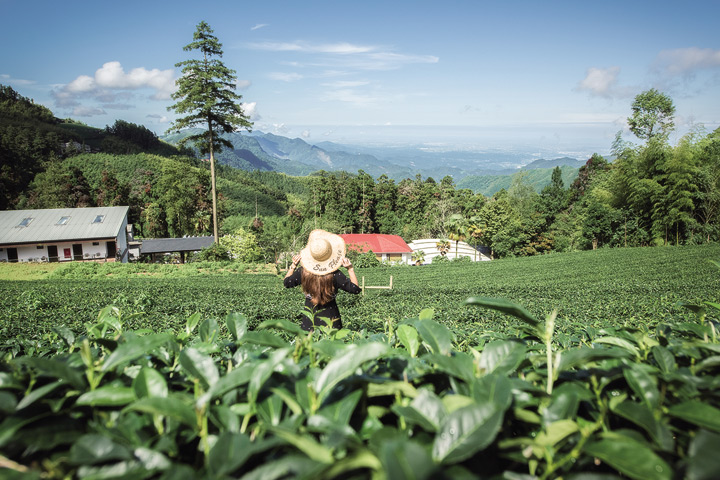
594	365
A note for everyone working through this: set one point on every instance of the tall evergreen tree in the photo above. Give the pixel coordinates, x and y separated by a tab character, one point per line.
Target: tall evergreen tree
206	97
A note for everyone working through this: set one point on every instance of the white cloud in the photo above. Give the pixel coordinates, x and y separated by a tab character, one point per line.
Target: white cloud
342	48
686	61
81	111
362	57
285	77
15	81
305	134
111	82
243	84
259	26
347	95
345	84
600	82
250	110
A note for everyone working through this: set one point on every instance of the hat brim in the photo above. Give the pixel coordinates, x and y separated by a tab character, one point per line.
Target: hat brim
334	262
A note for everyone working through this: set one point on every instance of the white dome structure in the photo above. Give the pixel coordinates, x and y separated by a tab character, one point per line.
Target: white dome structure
429	248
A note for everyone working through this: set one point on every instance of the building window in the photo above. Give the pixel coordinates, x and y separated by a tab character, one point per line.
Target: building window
63	220
25	222
99	219
96	243
39	247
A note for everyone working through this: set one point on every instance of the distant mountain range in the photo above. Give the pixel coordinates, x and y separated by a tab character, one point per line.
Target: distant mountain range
269	152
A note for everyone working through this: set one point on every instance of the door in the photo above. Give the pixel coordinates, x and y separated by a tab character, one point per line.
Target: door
111	249
12	255
52	253
77	251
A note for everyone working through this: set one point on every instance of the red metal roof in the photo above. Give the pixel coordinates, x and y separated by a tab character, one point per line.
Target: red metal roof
378	243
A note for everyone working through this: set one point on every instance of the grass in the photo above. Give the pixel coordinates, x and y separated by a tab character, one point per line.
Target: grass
27	270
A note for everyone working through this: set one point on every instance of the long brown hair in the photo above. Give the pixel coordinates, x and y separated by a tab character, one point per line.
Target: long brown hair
319	287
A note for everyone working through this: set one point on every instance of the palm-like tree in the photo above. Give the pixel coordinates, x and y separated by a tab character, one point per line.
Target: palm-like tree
418	257
475	230
443	246
457	229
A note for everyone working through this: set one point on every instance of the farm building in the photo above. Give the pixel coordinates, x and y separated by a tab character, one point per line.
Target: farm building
430	249
64	234
160	246
387	248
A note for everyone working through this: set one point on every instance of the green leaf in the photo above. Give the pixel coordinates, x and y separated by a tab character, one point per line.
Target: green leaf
436	335
618	342
209	331
345	364
427	410
37	394
152	460
408	336
585	356
405	459
192	322
307	445
629	457
504	306
263	370
237	377
465	432
495	389
563	405
643	384
229	453
642	416
555	432
502	357
134	348
66	334
107	396
264	338
55	368
460	365
703	459
200	366
92	449
171	406
236	324
341	411
698	413
285	326
664	359
150	383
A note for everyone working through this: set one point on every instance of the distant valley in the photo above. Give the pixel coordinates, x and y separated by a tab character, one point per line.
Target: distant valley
484	172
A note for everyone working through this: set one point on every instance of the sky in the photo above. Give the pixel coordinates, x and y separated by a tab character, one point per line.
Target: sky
486	74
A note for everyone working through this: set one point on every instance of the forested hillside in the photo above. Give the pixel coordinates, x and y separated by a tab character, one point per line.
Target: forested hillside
652	193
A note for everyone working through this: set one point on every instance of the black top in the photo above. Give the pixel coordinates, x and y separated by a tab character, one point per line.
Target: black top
328	310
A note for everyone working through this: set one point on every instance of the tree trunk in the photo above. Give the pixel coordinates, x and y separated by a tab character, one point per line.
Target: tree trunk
212	182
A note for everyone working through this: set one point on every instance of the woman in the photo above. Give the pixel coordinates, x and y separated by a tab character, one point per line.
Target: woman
321	279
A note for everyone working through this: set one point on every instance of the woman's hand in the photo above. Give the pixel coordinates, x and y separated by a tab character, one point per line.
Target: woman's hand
296	260
345	262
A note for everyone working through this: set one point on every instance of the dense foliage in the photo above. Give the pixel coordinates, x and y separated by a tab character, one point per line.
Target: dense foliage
411	399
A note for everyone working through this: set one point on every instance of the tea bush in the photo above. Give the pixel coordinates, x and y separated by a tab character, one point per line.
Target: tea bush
221	400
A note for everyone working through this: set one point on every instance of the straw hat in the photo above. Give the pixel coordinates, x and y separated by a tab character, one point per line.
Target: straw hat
324	252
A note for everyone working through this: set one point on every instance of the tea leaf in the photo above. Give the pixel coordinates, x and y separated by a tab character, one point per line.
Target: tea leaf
345	364
698	413
436	335
703	459
200	366
107	396
502	357
134	348
150	383
408	336
465	432
629	457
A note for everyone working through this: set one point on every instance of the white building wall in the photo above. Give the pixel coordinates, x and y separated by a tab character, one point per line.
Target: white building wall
35	253
429	247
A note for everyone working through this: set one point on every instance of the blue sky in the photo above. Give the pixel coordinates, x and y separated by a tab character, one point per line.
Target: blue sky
480	73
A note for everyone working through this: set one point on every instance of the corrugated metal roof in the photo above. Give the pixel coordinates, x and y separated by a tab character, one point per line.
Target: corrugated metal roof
186	244
46	226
